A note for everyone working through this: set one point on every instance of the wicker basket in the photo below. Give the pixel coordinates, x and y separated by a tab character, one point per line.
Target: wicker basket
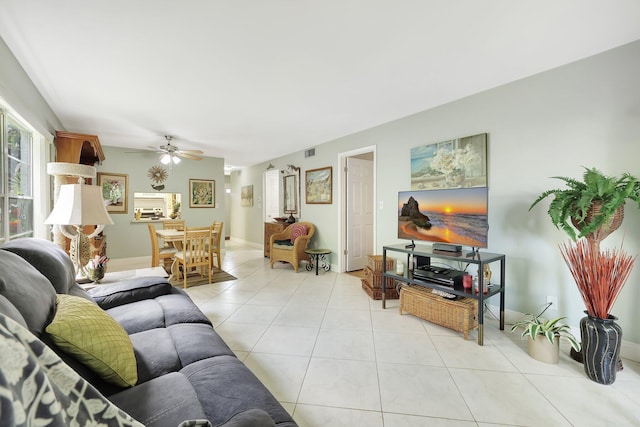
605	229
374	279
376	293
375	263
459	315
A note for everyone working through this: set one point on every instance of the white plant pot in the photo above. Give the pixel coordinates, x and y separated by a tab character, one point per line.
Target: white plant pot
542	350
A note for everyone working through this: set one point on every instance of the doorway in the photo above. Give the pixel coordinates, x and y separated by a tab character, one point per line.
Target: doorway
357	210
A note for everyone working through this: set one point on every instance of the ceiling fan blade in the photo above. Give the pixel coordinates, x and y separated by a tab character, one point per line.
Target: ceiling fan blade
143	151
155	149
187	155
192	151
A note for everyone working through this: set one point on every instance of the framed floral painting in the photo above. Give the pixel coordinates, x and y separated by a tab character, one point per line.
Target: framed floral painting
115	191
202	193
457	163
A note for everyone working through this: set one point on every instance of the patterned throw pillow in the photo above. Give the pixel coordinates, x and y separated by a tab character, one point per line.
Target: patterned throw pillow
85	331
298	230
38	388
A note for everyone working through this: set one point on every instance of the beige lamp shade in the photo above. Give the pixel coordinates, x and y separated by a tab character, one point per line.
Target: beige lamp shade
79	204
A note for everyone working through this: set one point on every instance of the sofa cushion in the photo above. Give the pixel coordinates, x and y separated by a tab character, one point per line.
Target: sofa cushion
138	316
155	354
164	401
130	290
250	418
37	388
160	312
286	245
84	330
162	350
11	311
298	230
28	290
227	387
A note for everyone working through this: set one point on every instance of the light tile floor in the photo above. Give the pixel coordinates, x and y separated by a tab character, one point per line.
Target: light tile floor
332	356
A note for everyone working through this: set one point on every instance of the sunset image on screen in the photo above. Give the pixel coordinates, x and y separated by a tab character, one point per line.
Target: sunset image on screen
451	216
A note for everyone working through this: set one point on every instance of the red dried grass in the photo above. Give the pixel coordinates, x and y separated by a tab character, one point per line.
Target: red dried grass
600	275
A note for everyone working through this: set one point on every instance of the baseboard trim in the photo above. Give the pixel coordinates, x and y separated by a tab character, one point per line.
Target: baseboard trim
248	243
122	264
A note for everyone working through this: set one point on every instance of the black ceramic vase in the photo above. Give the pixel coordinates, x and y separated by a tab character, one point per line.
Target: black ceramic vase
601	339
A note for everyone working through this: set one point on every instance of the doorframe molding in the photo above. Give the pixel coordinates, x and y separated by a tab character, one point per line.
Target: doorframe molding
342	201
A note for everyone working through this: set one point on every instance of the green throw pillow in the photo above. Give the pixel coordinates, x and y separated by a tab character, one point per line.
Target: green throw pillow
88	333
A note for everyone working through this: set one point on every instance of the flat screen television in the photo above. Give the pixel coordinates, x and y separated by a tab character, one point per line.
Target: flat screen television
454	216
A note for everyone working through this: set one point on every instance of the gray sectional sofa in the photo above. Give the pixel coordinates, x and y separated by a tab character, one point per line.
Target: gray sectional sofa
184	372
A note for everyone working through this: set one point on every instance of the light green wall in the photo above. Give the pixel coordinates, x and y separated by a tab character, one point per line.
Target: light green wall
125	239
586	113
17	89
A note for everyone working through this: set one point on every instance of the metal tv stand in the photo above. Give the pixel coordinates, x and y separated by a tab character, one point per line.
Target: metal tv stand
425	253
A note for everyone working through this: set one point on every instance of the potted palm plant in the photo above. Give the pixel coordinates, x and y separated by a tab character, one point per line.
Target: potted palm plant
543	336
588	211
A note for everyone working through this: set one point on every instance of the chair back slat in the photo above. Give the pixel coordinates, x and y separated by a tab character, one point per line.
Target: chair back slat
177	224
155	247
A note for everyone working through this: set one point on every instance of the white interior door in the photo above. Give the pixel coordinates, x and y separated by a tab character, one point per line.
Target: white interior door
359	224
271	194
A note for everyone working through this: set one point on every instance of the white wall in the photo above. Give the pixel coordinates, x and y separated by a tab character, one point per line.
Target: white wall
125	239
550	124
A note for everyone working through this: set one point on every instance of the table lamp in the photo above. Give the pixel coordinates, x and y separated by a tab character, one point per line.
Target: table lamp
79	205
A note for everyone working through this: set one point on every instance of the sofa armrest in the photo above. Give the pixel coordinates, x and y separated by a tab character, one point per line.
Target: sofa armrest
130	290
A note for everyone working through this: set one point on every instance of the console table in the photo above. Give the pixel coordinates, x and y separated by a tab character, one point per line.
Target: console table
425	254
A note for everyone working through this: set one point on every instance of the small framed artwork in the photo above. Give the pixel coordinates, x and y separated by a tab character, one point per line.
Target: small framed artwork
246	195
115	191
202	193
318	186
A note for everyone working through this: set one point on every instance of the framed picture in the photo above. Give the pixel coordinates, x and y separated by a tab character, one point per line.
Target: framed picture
246	195
202	193
115	191
318	186
457	163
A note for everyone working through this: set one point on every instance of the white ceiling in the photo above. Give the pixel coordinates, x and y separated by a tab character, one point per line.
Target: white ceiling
251	80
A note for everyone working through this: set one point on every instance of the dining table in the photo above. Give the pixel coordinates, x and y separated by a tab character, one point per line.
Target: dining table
175	238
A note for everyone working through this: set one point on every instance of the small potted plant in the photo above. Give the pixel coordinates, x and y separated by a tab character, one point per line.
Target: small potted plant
176	211
543	342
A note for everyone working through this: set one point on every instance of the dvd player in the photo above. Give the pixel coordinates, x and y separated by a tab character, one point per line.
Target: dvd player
439	275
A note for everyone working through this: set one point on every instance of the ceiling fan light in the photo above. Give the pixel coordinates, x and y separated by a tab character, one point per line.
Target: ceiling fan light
165	159
175	159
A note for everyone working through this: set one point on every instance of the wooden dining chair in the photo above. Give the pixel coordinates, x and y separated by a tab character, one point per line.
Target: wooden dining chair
195	252
178	224
216	236
175	224
158	253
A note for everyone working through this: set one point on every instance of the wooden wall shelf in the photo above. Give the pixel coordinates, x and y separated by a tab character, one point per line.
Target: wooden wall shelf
78	148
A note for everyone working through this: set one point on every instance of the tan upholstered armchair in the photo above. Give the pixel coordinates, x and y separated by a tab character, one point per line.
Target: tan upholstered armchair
291	253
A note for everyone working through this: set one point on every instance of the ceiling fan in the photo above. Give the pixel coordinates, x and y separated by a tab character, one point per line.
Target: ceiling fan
171	153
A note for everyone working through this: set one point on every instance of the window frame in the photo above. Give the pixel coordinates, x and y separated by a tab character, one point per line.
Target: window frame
20	199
